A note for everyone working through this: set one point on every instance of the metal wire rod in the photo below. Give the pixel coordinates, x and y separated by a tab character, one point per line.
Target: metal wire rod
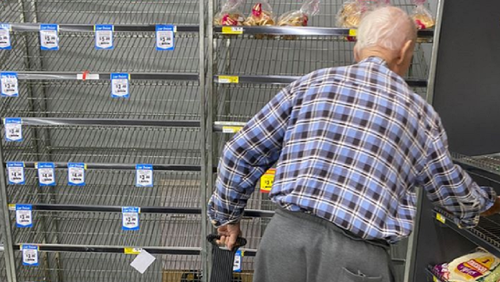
88	208
33	27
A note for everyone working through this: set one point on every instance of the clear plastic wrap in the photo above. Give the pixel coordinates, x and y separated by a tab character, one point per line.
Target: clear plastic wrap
262	15
299	18
230	14
422	16
349	16
471	267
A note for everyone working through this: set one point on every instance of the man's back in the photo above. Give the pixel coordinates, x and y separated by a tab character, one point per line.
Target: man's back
353	146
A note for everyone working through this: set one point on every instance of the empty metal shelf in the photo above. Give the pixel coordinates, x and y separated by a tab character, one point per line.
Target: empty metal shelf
112	187
98	267
94	144
133	52
101	12
149	99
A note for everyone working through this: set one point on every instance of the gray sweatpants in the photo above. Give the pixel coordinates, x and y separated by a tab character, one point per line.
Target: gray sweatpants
300	247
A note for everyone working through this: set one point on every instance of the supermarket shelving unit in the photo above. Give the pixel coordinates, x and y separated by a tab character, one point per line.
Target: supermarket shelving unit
249	69
467	102
68	116
178	117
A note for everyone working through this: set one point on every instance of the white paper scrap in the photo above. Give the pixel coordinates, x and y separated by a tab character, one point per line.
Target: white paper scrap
143	261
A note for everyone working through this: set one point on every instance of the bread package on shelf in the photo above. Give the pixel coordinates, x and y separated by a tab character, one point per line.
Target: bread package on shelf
476	266
422	16
349	16
230	14
262	15
299	18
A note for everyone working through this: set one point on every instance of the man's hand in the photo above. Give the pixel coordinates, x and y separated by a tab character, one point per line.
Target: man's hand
228	234
494	209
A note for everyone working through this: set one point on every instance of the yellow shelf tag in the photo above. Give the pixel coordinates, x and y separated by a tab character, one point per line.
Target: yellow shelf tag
231	129
229	79
232	30
440	218
132	251
12	207
266	180
353	32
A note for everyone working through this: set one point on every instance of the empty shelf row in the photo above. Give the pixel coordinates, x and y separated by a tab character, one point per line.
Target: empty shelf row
95	11
486	234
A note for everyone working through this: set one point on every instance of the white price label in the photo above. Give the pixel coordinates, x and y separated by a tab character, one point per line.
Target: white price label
76	174
144	175
5	43
30	255
13	129
15	171
24	216
46	174
165	37
104	37
130	218
49	36
120	85
237	261
9	84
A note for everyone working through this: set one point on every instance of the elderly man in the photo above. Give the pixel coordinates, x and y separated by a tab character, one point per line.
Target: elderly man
350	144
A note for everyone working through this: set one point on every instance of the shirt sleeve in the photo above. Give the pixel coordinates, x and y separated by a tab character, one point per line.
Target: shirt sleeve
449	186
252	151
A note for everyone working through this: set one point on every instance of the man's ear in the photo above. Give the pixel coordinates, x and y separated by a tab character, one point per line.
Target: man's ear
356	53
407	48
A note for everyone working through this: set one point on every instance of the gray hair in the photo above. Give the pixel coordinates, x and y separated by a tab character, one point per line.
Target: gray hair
386	27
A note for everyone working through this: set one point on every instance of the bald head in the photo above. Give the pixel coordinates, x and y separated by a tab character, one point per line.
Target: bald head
386	32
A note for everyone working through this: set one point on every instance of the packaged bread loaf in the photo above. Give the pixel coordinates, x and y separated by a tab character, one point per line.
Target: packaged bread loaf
471	267
230	14
421	15
301	17
262	15
351	12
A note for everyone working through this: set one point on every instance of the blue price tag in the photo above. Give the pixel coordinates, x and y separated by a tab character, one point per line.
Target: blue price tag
13	129
9	84
144	175
46	174
120	85
165	37
49	37
76	174
104	36
30	255
24	216
237	261
5	43
130	218
15	171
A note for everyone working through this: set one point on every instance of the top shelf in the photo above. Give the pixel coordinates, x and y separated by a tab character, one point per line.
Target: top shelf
300	31
90	12
35	27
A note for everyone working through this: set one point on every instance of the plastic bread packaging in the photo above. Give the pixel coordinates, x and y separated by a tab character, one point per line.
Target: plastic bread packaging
262	15
471	267
422	16
349	16
301	17
230	14
493	277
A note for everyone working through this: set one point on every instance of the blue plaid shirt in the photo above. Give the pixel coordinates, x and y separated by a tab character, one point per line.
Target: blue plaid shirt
350	144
